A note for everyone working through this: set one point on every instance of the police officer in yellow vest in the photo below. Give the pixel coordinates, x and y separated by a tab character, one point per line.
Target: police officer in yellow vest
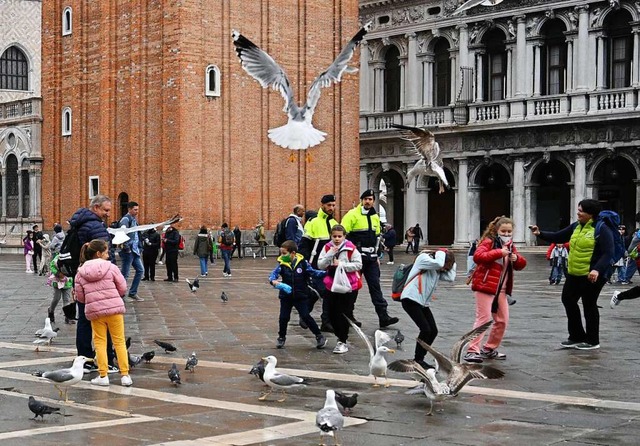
317	232
362	224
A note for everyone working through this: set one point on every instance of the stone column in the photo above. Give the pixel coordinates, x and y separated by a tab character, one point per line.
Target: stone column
637	183
364	178
462	205
521	55
366	92
411	203
403	82
20	193
583	45
35	187
537	69
580	184
600	62
509	89
463	39
519	201
531	202
635	68
474	212
3	172
427	96
378	101
454	76
413	77
479	83
570	83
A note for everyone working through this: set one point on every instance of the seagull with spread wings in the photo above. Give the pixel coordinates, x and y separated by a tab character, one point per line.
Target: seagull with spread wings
298	133
120	234
377	361
473	3
430	163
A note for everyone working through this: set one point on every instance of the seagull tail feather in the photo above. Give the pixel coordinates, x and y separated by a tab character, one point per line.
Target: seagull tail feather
296	136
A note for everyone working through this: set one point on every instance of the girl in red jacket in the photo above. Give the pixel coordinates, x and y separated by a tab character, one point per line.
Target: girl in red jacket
495	255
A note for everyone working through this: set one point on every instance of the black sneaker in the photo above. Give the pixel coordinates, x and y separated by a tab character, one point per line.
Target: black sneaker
113	369
280	342
569	344
321	342
90	367
386	321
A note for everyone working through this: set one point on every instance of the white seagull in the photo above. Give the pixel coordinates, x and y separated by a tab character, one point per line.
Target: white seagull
377	361
277	380
298	133
430	163
120	234
67	377
45	335
473	3
329	419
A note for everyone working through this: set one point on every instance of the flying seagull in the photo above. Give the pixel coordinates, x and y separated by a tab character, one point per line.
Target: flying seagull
298	133
192	362
67	377
166	346
148	356
224	297
473	3
377	361
430	163
329	419
174	374
277	380
348	402
193	286
120	234
40	409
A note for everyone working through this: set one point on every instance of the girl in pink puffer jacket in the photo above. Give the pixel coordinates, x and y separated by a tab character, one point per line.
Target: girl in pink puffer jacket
99	284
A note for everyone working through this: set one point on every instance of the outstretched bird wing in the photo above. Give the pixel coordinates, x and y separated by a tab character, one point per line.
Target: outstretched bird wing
422	140
259	65
120	234
333	74
444	363
456	350
381	338
363	336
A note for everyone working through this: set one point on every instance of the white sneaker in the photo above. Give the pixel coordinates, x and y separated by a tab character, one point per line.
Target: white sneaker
263	258
341	348
100	381
229	275
614	300
225	274
126	381
254	255
389	263
160	262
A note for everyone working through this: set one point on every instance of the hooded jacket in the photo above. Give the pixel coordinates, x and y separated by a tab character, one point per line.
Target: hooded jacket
488	258
295	273
56	243
424	276
99	285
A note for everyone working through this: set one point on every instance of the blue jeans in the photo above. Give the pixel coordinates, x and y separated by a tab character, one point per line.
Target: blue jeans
630	271
556	274
302	305
203	265
226	256
128	259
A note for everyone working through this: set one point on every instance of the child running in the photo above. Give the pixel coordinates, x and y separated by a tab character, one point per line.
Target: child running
340	251
428	268
99	285
294	272
495	256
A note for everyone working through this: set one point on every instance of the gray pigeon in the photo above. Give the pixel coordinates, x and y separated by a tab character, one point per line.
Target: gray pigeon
399	338
192	362
41	409
195	285
174	374
224	297
134	360
258	369
348	402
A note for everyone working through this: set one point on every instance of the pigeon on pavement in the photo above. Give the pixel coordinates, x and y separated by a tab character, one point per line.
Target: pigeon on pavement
166	346
348	402
192	362
148	356
329	419
40	409
399	338
224	297
174	374
134	360
193	286
258	369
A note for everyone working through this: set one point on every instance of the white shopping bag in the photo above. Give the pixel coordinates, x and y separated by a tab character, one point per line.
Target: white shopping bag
341	283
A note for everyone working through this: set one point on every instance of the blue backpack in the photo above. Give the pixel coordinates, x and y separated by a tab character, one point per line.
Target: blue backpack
612	220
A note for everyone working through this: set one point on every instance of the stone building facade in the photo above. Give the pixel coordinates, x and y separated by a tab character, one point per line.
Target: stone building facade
20	118
146	101
534	104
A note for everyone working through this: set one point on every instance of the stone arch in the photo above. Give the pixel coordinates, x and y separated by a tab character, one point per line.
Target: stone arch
434	40
635	15
474	175
25	51
562	17
378	172
21	149
382	48
603	158
484	30
532	169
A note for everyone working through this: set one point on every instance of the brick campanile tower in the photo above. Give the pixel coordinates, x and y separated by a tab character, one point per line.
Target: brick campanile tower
146	100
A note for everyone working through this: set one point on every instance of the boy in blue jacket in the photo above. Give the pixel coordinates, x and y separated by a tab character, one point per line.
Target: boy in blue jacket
294	272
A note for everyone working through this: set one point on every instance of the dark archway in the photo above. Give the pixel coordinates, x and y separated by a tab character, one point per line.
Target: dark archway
616	188
123	201
395	199
12	186
495	193
553	195
392	79
441	212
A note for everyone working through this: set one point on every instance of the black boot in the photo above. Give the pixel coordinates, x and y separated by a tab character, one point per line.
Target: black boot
386	320
52	317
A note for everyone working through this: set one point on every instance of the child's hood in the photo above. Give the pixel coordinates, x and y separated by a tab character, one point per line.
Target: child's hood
94	270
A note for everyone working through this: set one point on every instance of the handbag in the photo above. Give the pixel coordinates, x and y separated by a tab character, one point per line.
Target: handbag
341	284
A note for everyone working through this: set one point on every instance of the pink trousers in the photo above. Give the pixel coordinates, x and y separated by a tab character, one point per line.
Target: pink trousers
483	314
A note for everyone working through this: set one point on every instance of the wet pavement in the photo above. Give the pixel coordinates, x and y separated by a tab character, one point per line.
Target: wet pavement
548	396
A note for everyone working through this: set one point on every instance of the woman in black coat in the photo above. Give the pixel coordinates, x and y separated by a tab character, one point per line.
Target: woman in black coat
171	248
390	239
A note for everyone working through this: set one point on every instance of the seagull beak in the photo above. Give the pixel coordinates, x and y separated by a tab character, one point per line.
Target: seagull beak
391	350
88	360
264	359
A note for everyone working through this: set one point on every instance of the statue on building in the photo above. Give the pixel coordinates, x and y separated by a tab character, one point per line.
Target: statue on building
531	25
473	35
512	29
573	19
595	15
615	4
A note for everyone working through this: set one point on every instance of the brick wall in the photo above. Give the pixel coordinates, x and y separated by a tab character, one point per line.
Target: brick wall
133	73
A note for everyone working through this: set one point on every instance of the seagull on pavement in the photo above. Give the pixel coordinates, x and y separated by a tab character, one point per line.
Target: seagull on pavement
66	378
40	409
329	419
277	380
45	335
120	234
377	361
298	133
429	385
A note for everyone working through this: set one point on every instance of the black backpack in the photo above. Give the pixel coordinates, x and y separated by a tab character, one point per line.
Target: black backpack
280	236
69	257
227	237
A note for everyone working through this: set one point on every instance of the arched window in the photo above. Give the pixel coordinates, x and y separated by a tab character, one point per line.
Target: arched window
12	186
67	21
14	70
441	73
66	121
212	81
392	79
553	58
24	177
619	49
495	72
